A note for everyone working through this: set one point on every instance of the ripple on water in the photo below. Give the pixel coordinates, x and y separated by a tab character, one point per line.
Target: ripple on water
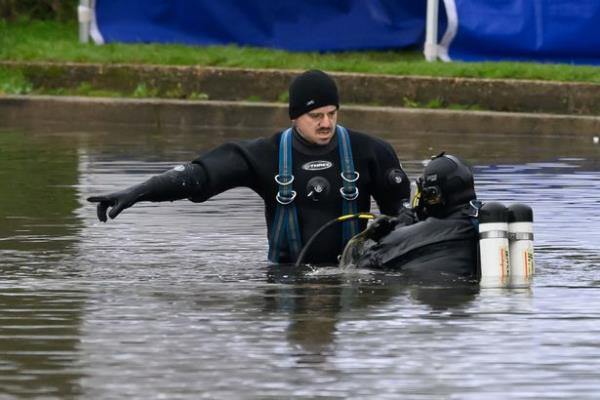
177	300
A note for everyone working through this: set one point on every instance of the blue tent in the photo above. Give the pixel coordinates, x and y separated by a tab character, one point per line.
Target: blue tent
307	25
564	31
561	31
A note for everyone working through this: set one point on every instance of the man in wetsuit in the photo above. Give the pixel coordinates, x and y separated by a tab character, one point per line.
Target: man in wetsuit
435	240
306	175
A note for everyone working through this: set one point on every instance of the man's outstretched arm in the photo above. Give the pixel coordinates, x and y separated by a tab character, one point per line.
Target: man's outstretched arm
181	182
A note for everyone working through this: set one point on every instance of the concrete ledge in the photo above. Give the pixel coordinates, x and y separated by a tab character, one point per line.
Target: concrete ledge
77	113
365	89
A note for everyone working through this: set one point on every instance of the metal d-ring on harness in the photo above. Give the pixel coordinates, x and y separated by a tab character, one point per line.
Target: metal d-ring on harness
285	232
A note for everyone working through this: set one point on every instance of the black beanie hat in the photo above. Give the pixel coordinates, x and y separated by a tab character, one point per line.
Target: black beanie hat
310	90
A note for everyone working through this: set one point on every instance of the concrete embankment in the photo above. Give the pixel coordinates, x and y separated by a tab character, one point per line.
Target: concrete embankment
510	106
160	114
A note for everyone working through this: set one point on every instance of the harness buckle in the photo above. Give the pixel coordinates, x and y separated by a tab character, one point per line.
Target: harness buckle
283	182
349	196
285	200
474	206
350	180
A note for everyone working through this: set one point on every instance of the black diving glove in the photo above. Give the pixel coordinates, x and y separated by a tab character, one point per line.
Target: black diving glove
406	216
118	201
384	224
178	183
380	227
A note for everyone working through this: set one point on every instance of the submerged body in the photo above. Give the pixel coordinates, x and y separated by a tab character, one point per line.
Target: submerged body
437	239
306	175
317	182
432	249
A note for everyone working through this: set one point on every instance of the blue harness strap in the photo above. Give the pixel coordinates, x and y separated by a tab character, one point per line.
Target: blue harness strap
285	231
349	190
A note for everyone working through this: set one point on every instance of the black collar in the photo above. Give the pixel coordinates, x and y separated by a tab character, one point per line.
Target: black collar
304	146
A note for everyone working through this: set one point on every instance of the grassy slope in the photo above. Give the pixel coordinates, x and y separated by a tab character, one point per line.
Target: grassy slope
52	41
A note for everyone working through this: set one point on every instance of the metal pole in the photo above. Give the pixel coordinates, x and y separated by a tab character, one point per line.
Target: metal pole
431	47
84	13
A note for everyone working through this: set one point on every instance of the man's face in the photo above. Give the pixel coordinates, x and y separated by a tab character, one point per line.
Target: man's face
317	126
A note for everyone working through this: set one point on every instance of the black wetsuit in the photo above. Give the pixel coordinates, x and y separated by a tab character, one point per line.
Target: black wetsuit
435	248
254	164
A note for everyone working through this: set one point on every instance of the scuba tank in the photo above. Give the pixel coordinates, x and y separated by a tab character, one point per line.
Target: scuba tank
493	244
520	235
506	244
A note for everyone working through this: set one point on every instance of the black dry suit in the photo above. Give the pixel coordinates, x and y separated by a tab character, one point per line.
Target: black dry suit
316	181
435	248
443	244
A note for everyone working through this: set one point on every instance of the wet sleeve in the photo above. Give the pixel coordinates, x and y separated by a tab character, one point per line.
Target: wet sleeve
225	167
391	184
183	181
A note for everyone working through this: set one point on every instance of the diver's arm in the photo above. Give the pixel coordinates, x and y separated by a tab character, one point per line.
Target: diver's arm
183	181
391	187
227	166
231	165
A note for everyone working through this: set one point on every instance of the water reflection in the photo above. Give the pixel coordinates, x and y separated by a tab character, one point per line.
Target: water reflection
316	300
39	338
40	316
38	182
177	300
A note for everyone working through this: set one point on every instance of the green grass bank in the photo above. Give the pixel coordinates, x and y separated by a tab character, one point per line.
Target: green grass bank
33	40
45	58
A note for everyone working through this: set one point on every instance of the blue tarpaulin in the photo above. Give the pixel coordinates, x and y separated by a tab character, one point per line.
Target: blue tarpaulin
306	25
563	31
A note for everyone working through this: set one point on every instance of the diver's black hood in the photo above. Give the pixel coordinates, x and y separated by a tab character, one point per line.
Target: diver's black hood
451	180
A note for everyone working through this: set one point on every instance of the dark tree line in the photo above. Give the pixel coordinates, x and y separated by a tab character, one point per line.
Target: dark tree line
61	10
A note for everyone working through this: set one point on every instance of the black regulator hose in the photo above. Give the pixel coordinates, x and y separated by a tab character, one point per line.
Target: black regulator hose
342	218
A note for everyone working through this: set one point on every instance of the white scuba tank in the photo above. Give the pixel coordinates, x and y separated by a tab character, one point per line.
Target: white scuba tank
520	235
493	244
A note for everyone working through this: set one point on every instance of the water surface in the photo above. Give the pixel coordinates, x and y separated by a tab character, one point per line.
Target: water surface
176	300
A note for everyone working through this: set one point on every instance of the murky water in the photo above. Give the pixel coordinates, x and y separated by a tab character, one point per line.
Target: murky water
177	301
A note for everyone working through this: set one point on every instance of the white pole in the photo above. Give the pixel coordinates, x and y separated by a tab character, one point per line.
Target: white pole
84	13
431	47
